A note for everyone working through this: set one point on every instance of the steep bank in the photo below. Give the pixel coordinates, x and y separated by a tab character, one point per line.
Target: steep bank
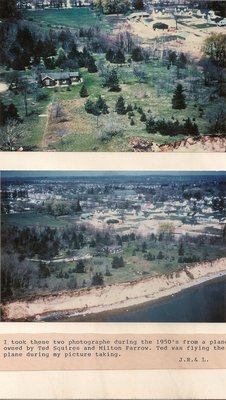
199	144
96	300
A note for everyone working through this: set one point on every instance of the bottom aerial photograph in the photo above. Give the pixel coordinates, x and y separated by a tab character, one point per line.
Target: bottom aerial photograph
105	246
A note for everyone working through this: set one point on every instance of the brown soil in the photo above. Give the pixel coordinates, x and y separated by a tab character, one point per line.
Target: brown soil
200	144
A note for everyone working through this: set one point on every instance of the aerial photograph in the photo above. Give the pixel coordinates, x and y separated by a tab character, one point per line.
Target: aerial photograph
112	75
107	246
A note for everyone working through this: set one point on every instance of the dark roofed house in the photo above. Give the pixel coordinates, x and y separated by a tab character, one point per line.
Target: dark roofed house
50	79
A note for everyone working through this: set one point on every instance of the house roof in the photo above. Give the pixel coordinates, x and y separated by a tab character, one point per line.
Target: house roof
59	75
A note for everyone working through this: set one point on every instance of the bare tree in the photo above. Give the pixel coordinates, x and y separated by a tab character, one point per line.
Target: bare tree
10	134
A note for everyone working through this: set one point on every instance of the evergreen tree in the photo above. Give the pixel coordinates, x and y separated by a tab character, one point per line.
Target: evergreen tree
117	262
112	81
80	267
43	271
83	91
61	58
78	207
129	108
132	123
137	54
119	57
182	60
143	118
138	4
102	105
97	279
181	249
172	57
151	125
8	9
89	106
178	100
120	106
92	68
12	113
110	55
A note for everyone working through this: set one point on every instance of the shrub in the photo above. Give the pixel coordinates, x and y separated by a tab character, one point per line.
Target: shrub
143	118
160	25
111	128
117	262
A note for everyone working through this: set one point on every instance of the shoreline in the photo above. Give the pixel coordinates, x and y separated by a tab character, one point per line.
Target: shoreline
82	317
115	297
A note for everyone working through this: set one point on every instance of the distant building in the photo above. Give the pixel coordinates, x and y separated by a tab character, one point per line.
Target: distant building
60	79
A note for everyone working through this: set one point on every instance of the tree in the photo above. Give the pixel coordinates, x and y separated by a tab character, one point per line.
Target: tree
117	262
10	134
224	234
216	117
172	57
119	57
120	106
80	267
98	279
83	91
151	126
91	66
8	9
112	127
112	6
78	206
57	109
110	55
181	249
190	128
61	58
178	100
137	54
138	4
140	73
160	25
214	48
44	271
8	112
89	106
111	81
143	118
182	60
102	105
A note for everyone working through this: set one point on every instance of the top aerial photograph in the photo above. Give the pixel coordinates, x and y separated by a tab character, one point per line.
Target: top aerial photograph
112	75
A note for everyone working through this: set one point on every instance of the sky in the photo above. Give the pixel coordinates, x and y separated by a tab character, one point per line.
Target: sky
49	174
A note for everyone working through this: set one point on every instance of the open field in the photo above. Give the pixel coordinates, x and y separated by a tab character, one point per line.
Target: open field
147	84
80	132
71	18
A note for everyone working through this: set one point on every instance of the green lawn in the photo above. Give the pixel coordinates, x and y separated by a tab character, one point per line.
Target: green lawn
81	132
73	18
154	96
32	219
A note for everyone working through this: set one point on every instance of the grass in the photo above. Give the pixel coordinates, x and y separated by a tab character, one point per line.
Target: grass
32	219
73	18
79	131
82	133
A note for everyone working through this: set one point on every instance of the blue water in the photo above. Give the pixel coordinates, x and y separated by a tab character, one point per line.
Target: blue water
204	303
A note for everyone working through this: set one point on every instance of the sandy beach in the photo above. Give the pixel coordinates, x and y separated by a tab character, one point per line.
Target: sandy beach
113	297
